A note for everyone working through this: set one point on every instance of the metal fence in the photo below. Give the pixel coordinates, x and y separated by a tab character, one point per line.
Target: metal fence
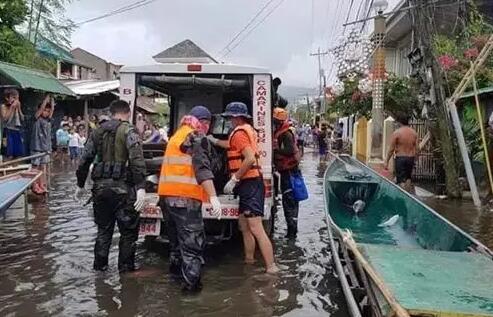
427	167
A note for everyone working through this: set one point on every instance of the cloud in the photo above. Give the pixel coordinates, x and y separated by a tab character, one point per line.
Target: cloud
282	43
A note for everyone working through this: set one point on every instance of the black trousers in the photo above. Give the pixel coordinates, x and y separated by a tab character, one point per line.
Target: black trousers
111	207
187	240
289	204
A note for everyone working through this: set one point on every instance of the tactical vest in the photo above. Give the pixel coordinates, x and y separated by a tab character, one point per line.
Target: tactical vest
112	154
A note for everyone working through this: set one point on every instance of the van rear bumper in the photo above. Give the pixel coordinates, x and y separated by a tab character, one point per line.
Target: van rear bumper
230	209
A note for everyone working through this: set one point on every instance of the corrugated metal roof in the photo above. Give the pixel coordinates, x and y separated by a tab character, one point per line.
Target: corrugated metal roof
53	50
92	87
25	77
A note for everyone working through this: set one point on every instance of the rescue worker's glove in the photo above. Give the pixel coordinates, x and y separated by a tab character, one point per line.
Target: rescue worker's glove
140	200
231	184
216	207
79	193
212	139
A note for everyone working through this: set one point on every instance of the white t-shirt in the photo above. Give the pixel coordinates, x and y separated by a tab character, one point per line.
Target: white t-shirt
74	140
82	141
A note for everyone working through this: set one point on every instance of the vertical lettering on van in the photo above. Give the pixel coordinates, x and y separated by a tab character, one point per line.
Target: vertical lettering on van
127	90
262	119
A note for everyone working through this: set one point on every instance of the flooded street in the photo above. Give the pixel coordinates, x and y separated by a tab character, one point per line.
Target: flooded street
47	268
47	265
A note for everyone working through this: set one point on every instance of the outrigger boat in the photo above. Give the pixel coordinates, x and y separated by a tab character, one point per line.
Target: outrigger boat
395	256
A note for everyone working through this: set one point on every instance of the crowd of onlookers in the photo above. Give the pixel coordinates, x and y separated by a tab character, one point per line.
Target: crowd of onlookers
326	138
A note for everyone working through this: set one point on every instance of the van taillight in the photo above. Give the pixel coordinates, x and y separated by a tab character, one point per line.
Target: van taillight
268	188
194	68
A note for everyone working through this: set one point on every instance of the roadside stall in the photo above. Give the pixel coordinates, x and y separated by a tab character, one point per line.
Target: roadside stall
17	175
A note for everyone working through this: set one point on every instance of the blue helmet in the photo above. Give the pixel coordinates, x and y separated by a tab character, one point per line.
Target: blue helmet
236	109
201	113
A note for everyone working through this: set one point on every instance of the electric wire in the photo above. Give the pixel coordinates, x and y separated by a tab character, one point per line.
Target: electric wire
253	29
129	7
250	22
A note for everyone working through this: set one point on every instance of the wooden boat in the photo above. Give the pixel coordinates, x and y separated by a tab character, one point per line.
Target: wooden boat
421	265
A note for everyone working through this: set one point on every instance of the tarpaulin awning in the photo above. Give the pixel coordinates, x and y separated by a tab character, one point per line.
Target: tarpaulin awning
92	87
24	77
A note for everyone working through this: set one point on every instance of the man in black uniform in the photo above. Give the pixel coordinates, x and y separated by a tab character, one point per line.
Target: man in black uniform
118	192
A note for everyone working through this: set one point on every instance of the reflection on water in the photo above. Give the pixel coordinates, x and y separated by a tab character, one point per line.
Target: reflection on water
477	222
46	268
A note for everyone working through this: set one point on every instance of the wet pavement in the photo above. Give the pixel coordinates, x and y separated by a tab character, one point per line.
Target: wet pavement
46	267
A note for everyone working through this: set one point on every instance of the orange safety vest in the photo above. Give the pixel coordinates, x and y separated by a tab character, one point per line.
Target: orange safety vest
285	162
177	177
235	158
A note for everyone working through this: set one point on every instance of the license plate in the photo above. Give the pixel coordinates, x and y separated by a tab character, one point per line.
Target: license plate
151	211
150	227
227	213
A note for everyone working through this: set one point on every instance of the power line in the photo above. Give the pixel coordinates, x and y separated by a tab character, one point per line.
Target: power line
252	20
348	15
132	6
253	29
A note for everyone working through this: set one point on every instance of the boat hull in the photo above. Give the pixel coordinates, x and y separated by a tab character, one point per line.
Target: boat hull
412	229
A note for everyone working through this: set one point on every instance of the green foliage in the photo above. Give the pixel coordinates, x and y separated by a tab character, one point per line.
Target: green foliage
53	24
400	99
472	132
14	48
463	48
12	12
443	45
351	102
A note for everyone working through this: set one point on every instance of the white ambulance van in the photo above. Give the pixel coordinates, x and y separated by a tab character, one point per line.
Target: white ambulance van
214	86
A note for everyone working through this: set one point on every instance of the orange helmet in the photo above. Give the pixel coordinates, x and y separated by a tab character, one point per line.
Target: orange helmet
280	114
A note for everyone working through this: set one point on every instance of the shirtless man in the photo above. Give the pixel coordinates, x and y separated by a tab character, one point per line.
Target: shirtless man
404	145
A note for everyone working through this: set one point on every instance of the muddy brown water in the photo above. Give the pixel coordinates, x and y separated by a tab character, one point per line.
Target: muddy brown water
46	267
46	264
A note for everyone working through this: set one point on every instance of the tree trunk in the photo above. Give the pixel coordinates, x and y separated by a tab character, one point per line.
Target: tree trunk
37	22
30	24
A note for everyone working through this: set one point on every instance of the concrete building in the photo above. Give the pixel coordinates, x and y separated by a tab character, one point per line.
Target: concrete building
100	68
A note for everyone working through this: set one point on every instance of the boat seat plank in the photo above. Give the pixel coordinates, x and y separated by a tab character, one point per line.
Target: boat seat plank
439	283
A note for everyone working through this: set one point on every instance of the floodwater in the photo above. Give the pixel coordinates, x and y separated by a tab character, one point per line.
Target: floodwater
477	222
46	267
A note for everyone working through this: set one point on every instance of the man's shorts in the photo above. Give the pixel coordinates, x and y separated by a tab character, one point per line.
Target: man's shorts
42	160
252	195
404	166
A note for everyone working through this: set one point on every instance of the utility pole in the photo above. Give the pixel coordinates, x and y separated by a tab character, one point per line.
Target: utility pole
321	80
376	153
434	86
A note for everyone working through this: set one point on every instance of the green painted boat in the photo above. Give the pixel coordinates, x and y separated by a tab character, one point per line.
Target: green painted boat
398	257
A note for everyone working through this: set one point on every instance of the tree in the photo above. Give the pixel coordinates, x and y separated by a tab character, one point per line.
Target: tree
15	48
46	18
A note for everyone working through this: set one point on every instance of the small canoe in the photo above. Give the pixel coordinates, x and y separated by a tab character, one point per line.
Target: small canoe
14	185
397	257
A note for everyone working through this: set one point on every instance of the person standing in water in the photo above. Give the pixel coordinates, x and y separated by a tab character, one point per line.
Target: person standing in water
404	146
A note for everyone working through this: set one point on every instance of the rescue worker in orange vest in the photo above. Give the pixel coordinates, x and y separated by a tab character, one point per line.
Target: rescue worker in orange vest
247	182
186	182
286	160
